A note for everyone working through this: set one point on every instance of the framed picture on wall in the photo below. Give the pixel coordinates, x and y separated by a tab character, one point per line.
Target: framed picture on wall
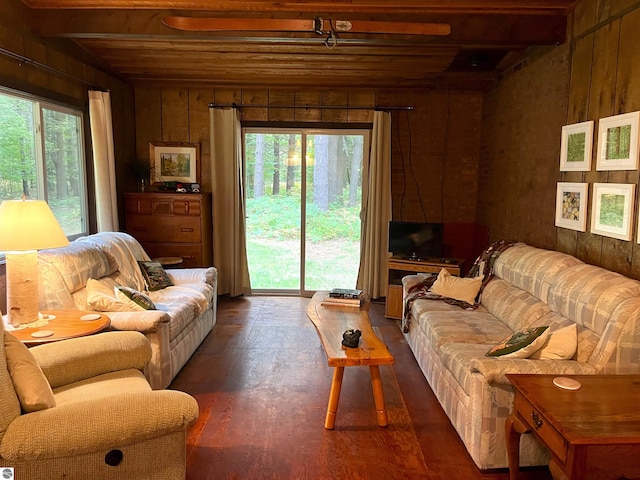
175	162
612	209
576	147
618	142
571	206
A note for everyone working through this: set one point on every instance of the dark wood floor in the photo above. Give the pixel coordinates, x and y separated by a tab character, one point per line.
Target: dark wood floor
262	383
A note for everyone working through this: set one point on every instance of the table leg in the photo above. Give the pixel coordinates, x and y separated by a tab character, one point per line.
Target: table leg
378	396
334	397
513	428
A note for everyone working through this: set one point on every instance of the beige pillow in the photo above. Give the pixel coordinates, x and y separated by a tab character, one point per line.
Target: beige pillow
32	387
465	289
560	345
102	298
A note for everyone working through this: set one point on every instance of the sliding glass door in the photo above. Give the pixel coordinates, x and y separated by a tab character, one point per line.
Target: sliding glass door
303	193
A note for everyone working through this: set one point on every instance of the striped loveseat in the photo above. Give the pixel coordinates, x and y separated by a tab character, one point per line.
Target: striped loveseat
531	287
185	314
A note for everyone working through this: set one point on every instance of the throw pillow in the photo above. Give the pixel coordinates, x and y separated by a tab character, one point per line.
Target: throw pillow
30	384
132	296
465	289
155	275
560	345
102	298
521	344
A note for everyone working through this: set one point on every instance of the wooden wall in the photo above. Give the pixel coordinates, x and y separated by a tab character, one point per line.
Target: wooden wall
70	86
435	150
589	78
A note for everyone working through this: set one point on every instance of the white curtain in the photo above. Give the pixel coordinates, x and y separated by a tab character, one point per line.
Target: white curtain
104	164
376	210
229	240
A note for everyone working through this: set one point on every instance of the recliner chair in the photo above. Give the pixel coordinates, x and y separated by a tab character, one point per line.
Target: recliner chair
99	419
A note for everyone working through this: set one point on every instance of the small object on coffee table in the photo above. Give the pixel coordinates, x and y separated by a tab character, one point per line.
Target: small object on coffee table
351	338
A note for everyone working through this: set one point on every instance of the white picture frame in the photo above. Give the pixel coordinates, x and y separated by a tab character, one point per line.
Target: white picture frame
571	205
618	142
576	147
612	210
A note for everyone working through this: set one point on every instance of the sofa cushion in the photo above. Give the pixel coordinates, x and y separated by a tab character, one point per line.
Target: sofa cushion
465	289
77	263
458	325
531	269
520	344
517	308
589	295
29	382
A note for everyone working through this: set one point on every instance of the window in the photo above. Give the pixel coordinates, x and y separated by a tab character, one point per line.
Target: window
42	157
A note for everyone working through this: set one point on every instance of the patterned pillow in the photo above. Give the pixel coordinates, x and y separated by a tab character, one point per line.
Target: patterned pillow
521	344
134	297
155	275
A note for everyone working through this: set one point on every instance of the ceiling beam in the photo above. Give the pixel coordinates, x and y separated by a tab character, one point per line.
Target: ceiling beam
531	7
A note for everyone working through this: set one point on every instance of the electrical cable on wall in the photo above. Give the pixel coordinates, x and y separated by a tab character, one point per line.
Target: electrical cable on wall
404	174
444	154
415	179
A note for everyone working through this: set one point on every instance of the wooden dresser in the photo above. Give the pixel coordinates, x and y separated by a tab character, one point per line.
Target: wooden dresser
172	225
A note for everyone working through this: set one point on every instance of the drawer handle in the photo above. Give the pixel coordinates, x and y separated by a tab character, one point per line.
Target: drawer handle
188	257
537	421
185	229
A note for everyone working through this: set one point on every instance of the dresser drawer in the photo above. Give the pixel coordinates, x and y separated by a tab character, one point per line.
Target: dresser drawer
170	229
536	422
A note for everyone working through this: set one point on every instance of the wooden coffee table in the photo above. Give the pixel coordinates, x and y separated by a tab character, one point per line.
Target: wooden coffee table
66	324
592	433
331	321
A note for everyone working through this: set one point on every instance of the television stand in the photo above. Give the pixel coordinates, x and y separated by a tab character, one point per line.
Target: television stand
399	267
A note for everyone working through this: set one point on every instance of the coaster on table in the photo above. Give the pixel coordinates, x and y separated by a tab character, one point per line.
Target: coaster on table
42	333
566	383
90	316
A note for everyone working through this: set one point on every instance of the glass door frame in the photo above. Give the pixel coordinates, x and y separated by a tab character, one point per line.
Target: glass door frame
304	133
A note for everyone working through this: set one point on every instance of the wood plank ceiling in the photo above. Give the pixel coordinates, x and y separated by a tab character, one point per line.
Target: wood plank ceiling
128	38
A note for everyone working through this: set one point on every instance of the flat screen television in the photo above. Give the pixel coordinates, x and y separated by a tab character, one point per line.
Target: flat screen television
416	241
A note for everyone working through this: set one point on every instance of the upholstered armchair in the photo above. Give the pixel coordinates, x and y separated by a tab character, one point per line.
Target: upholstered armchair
81	409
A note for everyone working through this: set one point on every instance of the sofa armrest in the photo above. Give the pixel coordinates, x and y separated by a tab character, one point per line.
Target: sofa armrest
139	321
494	369
97	425
81	358
193	275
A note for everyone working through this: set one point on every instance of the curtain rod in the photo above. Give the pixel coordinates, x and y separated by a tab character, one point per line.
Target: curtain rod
26	60
307	107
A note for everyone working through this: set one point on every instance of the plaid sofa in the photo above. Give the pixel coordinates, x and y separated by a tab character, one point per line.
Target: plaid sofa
531	287
186	312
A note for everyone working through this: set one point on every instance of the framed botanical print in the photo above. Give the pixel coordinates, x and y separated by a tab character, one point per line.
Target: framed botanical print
576	147
571	205
612	210
618	142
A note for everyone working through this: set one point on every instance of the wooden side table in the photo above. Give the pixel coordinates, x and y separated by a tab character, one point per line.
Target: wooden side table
593	433
63	325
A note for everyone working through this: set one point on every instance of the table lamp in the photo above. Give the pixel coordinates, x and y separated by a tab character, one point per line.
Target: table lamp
26	226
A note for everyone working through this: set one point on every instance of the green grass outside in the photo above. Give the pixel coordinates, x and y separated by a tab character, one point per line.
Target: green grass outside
273	245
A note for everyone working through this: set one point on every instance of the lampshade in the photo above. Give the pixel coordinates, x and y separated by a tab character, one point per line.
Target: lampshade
29	225
26	226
